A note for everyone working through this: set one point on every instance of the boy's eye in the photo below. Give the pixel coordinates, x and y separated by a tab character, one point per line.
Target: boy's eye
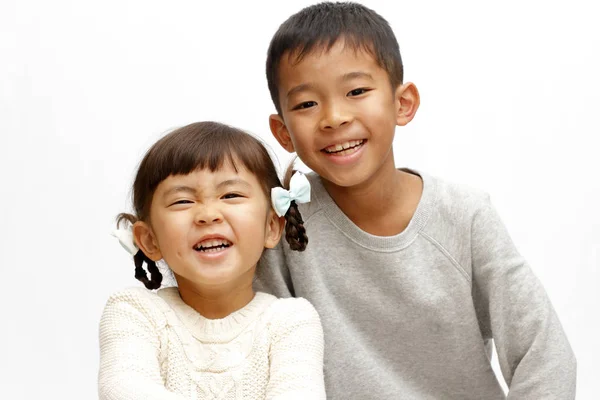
358	92
306	104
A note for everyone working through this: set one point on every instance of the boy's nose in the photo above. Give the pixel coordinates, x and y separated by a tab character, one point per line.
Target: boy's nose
334	117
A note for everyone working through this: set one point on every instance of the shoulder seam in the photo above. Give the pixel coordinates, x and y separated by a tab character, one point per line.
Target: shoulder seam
445	252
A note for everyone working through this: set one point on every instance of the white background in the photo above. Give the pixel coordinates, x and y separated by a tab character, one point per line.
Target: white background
510	104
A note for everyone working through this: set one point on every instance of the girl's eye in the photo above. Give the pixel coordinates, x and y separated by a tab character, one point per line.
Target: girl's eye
358	92
231	196
306	104
182	202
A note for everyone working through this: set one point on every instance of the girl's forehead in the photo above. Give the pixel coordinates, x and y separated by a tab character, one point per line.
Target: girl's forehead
227	174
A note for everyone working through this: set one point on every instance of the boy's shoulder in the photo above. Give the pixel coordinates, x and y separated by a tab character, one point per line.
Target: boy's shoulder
453	197
451	206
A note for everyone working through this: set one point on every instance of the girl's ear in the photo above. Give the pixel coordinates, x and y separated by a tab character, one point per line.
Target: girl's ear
274	229
407	103
146	240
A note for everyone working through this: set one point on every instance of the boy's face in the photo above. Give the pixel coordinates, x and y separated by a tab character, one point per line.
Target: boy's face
339	113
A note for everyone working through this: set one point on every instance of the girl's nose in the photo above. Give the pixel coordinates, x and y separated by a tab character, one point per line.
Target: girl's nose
208	214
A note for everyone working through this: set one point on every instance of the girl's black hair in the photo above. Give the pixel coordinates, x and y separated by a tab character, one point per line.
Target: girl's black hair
198	146
295	233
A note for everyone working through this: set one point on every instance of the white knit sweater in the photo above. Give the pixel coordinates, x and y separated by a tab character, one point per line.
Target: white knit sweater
154	346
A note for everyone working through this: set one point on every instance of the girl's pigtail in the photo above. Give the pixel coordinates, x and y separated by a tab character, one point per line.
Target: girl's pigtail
139	258
295	233
140	274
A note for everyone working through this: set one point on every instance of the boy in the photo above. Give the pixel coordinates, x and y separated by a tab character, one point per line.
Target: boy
412	276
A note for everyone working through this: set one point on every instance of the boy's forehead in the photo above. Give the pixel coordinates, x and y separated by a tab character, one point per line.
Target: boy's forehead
338	60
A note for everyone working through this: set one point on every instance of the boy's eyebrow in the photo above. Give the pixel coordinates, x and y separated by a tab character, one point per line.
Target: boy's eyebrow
354	75
297	89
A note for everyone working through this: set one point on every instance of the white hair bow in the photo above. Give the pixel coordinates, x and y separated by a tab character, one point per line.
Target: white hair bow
125	237
299	192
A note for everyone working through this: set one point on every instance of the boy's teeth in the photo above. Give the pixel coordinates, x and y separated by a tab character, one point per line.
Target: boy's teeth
343	146
349	144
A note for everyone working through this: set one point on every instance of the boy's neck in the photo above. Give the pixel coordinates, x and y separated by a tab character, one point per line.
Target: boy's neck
382	206
218	302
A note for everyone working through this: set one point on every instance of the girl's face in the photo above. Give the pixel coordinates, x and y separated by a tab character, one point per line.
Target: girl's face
211	227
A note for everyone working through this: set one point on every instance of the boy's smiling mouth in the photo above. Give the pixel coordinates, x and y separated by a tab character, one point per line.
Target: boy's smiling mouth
343	149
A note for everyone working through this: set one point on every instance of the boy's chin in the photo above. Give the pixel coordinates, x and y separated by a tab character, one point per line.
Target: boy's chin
347	180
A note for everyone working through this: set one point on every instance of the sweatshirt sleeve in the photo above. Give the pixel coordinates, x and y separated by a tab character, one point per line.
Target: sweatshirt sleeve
535	357
272	273
129	350
296	354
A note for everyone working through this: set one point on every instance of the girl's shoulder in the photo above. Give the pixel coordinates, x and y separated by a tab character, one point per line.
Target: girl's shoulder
136	302
136	296
287	304
292	312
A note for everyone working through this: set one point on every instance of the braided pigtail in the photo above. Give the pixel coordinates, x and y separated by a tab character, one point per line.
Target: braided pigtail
139	258
140	274
295	233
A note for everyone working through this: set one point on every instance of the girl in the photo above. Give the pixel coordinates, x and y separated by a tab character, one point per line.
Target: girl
201	200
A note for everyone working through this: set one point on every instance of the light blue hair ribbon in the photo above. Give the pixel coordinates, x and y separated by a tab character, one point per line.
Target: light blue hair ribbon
299	192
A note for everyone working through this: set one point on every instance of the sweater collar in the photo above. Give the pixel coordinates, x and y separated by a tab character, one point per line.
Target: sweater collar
367	240
215	330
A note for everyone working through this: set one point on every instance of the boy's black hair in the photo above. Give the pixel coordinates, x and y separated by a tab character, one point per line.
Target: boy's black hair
321	25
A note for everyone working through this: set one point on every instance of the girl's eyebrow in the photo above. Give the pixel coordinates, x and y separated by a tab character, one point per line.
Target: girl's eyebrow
180	189
232	182
192	191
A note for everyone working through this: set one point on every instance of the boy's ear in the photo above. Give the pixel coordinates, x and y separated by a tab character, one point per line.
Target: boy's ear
407	103
281	133
146	240
274	229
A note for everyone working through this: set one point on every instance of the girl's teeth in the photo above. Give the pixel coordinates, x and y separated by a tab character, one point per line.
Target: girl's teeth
212	245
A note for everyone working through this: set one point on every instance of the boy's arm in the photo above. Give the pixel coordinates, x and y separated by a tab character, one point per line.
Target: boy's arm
129	352
296	353
535	357
272	273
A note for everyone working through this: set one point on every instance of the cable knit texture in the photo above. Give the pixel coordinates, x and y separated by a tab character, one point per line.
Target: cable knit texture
154	346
